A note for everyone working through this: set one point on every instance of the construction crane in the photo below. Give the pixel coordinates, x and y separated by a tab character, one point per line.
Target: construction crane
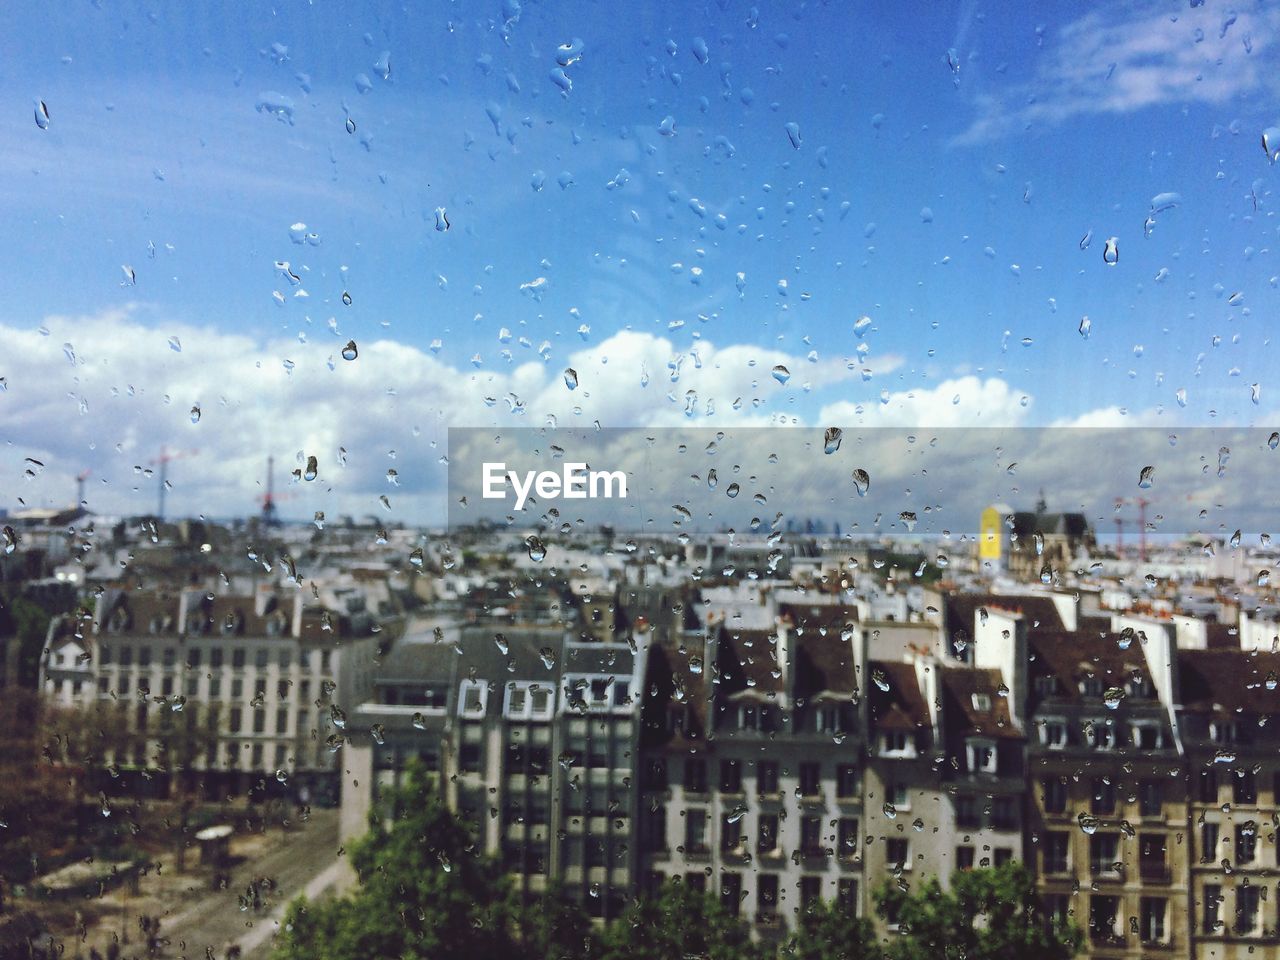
163	462
1142	504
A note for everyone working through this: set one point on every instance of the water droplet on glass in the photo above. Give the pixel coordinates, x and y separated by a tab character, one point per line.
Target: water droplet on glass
571	378
793	134
442	220
350	352
1271	143
1147	477
1088	823
195	413
312	469
890	810
1111	252
346	298
42	115
567	54
732	490
831	440
861	481
781	373
1112	697
537	550
1086	325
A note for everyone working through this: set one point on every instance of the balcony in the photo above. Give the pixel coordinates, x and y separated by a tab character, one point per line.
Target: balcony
1107	939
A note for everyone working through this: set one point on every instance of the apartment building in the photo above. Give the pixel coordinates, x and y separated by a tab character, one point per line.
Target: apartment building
1229	702
532	736
1107	811
240	691
752	763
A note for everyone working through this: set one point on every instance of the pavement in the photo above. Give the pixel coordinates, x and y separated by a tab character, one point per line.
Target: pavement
199	922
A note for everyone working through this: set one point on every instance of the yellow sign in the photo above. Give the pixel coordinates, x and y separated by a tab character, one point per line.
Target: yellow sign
989	538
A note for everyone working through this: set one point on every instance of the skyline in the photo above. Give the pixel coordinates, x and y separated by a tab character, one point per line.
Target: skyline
157	140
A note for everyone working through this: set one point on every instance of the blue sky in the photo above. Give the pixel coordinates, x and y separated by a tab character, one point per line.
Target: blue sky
1057	123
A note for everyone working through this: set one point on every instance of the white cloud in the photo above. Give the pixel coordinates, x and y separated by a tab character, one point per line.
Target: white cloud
961	402
1115	60
122	393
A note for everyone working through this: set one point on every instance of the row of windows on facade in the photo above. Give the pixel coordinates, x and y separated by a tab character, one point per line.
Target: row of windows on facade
1105	859
814	840
124	656
1100	733
232	752
523	700
1206	787
769	893
825	718
767	774
1150	924
197	623
213	689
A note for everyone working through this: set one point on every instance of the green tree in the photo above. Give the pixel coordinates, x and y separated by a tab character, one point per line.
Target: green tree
678	922
990	914
825	931
426	892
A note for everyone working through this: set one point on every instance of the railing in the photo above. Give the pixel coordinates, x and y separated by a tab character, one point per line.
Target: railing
1155	872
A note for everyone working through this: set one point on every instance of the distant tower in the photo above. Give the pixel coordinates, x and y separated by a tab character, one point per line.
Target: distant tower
1042	506
270	517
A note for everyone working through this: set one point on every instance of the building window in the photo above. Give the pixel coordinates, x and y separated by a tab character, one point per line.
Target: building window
1244	788
1100	735
1003	855
1211	909
1208	783
731	892
847	785
1208	842
847	894
899	796
730	776
767	896
748	717
1248	912
731	839
655	828
897	853
810	891
981	755
1150	798
1057	909
472	698
215	658
695	775
282	720
967	813
767	838
655	774
695	831
1146	736
259	721
1104	851
766	777
237	688
144	655
964	858
810	779
237	658
1055	795
234	719
1057	843
1104	797
896	743
1004	814
1151	857
1246	843
261	656
1053	734
847	838
1104	912
811	837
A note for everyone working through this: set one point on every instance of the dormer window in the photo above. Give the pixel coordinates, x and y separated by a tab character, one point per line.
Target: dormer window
1053	734
1100	736
1091	686
1222	732
981	702
473	696
828	718
748	717
981	754
1046	686
1146	736
897	743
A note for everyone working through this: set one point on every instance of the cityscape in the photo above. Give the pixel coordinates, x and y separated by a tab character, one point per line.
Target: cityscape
777	721
713	480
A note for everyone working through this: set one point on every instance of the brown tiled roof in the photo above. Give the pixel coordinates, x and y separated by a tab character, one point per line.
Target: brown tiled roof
668	669
1222	636
959	684
748	660
1038	611
901	706
824	664
1073	655
1229	681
